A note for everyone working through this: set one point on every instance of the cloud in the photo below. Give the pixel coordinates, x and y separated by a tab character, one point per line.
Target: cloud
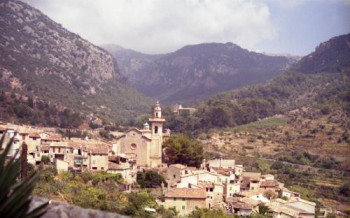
157	26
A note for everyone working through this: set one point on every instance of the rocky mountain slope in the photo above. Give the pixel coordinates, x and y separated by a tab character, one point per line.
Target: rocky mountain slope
198	71
42	59
330	56
131	63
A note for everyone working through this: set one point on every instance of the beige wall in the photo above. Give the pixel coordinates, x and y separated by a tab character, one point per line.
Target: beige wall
61	165
141	152
231	189
188	204
222	163
174	173
254	186
98	162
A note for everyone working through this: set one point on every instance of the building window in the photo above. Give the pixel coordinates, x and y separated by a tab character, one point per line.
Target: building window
133	146
102	168
174	199
156	129
94	168
183	207
156	114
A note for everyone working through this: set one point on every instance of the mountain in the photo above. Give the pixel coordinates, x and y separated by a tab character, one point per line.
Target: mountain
41	59
330	56
132	63
198	71
319	82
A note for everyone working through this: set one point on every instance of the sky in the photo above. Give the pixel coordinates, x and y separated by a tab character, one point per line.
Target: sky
160	26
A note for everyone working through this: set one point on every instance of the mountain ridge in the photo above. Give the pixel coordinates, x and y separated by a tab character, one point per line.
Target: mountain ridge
197	71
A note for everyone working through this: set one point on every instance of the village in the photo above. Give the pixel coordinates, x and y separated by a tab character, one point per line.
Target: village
217	184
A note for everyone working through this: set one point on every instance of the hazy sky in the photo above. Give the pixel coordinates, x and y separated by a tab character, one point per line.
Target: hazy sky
160	26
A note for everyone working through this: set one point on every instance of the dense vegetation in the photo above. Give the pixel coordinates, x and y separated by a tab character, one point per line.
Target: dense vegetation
16	185
286	92
97	191
150	179
23	109
181	149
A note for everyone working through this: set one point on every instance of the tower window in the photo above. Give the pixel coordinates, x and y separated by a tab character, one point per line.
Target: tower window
157	115
156	129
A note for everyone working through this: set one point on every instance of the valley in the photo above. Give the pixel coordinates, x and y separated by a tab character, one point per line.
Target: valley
210	129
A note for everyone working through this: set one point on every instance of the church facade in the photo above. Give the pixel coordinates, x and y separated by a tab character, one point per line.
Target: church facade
144	146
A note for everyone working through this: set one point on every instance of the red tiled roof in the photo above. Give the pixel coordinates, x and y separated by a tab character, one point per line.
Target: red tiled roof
242	205
45	147
97	148
34	135
206	184
186	193
114	166
269	183
53	138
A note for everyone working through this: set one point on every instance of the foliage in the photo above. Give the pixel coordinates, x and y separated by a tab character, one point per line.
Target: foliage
15	194
345	189
150	179
206	213
137	201
45	159
181	149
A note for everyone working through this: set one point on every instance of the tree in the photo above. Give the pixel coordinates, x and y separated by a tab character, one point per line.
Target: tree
181	149
149	179
45	159
262	212
15	194
345	189
24	161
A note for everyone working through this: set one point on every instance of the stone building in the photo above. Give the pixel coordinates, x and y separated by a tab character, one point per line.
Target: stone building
144	146
185	200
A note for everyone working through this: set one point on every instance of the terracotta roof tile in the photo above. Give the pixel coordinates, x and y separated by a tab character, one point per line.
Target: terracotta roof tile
269	183
45	147
34	135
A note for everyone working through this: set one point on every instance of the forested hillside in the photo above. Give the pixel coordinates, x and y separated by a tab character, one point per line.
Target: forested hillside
40	59
326	89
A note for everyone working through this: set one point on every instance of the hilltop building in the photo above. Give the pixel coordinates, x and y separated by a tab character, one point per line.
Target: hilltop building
144	146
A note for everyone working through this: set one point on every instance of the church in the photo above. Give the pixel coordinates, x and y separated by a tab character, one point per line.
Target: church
144	146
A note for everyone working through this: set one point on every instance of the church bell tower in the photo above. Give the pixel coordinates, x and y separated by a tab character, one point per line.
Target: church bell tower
156	122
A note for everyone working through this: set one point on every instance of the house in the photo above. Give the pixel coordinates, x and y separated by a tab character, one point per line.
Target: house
127	171
284	192
221	163
214	192
61	166
97	156
178	108
231	188
250	181
270	185
294	207
176	171
185	200
239	208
